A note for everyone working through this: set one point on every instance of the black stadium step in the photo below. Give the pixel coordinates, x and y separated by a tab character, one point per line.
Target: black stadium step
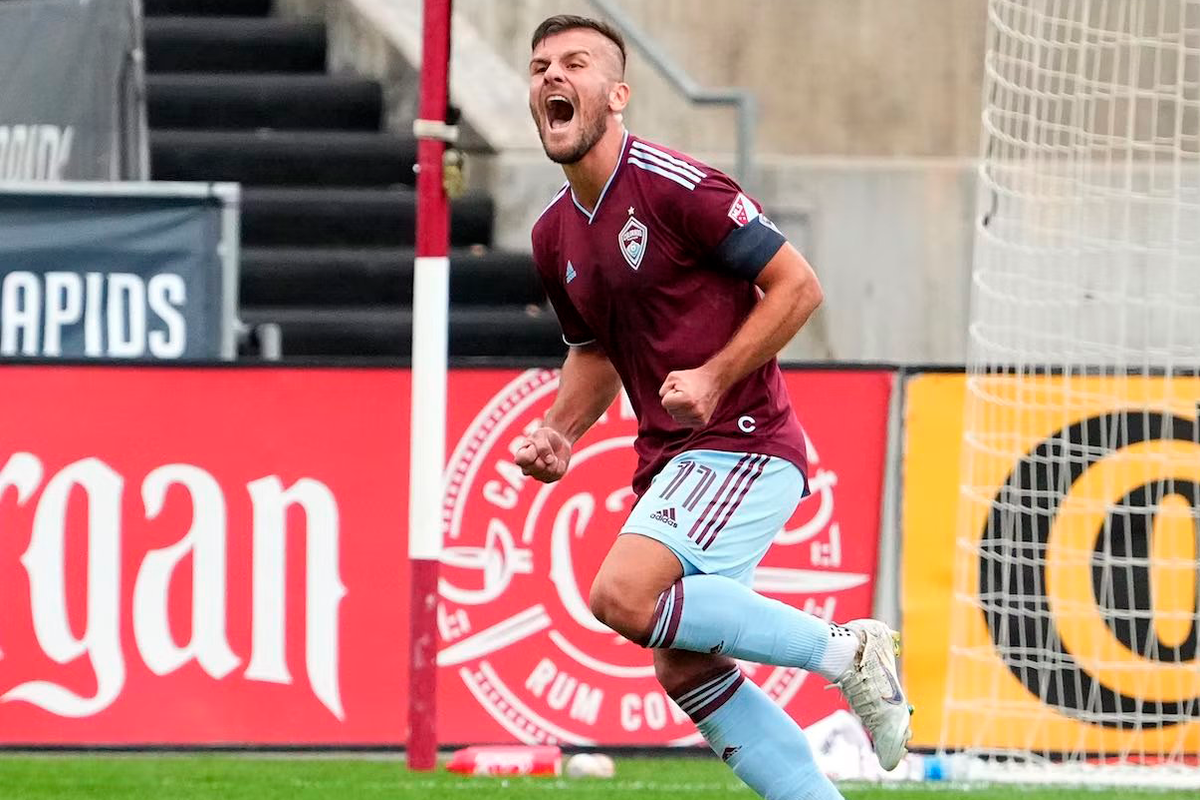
328	213
353	217
388	332
283	158
291	102
216	44
361	277
222	8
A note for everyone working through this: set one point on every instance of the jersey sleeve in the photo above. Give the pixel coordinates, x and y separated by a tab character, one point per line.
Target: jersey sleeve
575	332
727	225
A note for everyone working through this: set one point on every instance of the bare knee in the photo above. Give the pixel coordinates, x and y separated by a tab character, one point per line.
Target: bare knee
626	590
622	605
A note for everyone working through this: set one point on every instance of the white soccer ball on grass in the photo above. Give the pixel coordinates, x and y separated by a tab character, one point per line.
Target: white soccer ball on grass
590	765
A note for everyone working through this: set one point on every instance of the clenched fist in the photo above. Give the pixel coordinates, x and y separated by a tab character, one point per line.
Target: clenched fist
544	455
690	396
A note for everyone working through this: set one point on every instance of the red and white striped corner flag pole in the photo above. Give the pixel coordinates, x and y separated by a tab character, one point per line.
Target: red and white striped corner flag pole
431	278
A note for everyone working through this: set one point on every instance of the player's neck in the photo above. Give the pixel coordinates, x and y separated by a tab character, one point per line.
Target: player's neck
589	174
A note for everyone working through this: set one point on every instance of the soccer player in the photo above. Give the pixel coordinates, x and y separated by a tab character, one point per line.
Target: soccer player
668	279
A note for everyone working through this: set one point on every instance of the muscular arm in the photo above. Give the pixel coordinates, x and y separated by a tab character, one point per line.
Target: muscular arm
587	387
791	293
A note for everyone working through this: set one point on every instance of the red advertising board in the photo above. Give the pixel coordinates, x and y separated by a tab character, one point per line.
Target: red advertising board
521	657
218	555
174	545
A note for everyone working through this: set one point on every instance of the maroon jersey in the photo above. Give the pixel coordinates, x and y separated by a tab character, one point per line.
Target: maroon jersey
661	275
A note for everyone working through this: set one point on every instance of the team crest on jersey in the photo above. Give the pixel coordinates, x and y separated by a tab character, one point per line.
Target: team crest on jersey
742	211
633	242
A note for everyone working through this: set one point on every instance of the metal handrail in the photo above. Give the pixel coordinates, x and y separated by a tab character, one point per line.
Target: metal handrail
744	100
135	132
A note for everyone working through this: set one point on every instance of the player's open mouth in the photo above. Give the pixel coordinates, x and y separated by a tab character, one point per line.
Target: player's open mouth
559	112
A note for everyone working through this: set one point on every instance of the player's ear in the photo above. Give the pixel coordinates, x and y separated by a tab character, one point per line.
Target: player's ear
618	97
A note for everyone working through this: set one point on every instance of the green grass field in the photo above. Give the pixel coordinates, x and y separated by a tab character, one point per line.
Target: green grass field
225	777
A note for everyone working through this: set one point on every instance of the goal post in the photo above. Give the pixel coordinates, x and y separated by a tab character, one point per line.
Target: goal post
431	281
1073	629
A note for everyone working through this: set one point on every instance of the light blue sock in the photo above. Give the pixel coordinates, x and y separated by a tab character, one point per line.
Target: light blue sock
756	738
715	614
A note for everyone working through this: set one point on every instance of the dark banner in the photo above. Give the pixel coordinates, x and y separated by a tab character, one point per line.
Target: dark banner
128	272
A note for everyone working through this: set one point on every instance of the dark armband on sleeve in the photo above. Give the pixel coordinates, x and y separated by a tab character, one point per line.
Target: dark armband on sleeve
746	250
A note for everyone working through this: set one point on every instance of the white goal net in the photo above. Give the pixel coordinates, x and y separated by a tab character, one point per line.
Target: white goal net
1074	626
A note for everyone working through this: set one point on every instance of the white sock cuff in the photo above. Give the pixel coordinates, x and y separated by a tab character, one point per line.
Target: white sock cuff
840	652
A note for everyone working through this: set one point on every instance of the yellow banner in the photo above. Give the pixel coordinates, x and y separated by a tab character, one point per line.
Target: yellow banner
1050	583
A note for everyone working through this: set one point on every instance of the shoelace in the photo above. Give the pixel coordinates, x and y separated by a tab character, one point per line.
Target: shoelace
858	691
861	698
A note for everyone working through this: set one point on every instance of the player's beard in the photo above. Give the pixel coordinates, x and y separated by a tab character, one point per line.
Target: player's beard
591	130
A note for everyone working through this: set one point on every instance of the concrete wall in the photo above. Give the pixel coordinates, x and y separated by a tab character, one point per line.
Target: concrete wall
837	77
891	241
890	238
382	39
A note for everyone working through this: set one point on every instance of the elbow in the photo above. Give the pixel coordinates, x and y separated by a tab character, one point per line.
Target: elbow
807	295
792	284
813	295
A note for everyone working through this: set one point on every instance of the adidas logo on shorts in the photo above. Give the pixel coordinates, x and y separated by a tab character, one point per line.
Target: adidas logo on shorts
666	517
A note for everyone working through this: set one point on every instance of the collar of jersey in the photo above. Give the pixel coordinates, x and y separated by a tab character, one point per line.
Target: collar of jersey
604	191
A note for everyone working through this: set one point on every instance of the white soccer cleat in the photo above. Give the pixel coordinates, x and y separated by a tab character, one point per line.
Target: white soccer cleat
872	687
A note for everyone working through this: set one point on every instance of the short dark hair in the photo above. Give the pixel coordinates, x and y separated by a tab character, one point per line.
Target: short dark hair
569	22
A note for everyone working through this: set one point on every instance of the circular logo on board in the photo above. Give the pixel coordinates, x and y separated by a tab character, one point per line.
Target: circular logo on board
519	559
1087	570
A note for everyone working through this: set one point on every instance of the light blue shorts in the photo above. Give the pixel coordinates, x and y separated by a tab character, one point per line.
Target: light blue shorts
718	511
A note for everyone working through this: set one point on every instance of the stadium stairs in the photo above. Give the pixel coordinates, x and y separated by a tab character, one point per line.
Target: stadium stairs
328	203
